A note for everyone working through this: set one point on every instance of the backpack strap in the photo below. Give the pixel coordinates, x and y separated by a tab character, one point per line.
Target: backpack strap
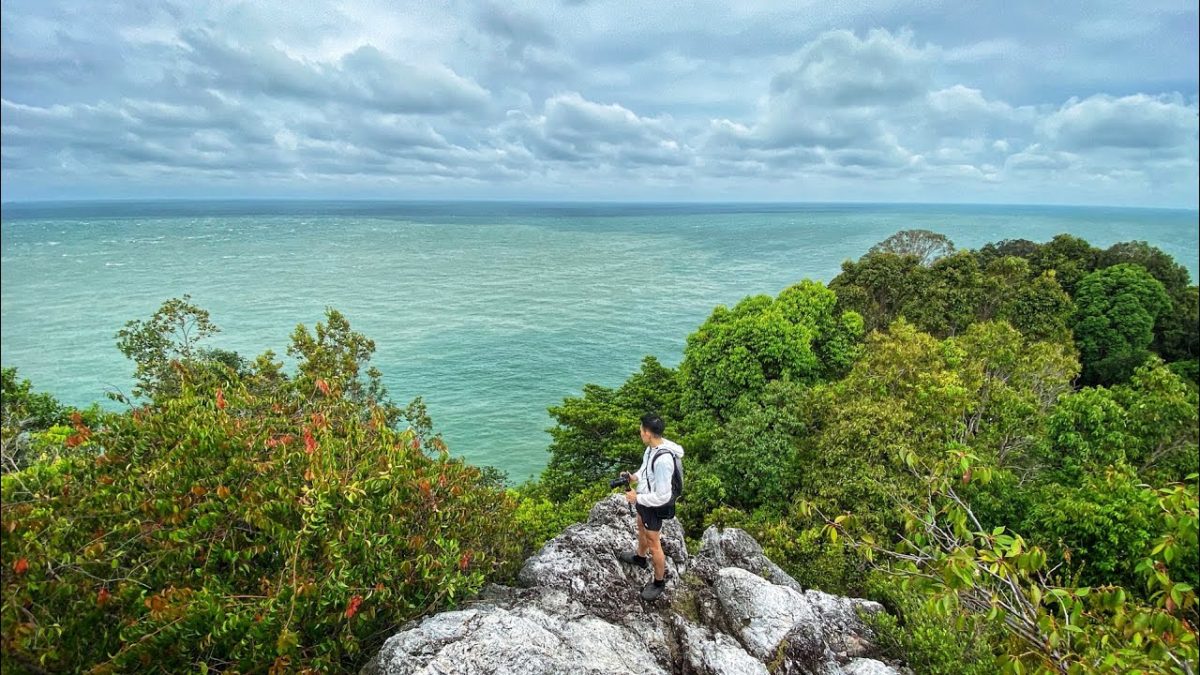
675	468
658	452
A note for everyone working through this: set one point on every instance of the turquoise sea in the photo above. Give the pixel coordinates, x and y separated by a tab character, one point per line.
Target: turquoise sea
491	311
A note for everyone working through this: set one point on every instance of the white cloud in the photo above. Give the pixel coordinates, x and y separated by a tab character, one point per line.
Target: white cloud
574	129
1139	122
839	69
866	100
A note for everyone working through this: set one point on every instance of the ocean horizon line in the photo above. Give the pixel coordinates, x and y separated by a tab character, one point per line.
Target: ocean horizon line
365	201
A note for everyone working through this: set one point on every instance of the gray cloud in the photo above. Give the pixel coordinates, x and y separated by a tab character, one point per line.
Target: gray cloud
884	100
573	129
365	76
1139	122
841	70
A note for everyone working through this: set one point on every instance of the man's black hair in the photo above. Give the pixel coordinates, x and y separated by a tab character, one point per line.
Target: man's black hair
653	423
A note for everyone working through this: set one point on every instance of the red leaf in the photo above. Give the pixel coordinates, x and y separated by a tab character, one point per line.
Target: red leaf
102	597
310	443
21	566
220	400
352	608
323	386
464	561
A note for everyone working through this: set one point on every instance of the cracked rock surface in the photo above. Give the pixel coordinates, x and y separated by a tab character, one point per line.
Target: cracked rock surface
728	611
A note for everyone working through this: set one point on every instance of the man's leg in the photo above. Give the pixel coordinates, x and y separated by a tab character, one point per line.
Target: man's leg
643	540
656	554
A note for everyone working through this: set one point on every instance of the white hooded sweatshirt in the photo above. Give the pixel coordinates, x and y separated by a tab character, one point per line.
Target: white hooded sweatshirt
654	483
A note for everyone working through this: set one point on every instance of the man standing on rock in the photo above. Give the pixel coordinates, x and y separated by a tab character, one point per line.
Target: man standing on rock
654	489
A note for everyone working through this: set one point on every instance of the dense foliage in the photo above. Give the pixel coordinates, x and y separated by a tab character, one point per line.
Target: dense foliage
243	519
998	444
1006	458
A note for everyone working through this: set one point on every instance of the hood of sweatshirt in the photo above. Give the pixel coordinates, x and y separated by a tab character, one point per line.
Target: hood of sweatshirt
675	448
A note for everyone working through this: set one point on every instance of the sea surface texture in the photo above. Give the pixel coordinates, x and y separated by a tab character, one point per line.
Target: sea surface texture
490	311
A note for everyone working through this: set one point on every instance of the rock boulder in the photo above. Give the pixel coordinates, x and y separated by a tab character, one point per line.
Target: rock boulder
728	611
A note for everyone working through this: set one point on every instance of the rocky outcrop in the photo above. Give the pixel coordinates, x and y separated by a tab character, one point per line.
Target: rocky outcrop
727	611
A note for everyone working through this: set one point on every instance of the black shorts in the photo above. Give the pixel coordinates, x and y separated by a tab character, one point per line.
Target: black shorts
652	516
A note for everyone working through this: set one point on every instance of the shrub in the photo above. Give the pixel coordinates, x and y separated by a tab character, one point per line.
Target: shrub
541	519
925	640
241	527
34	426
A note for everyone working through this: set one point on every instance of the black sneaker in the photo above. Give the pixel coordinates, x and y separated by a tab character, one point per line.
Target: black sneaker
653	590
633	559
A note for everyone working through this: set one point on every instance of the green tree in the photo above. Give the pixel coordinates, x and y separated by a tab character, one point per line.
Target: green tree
1116	309
36	427
1043	622
1070	257
333	357
1162	423
1095	525
163	347
1173	276
797	336
754	455
1086	431
1177	333
911	395
1007	248
951	300
26	409
1036	305
880	287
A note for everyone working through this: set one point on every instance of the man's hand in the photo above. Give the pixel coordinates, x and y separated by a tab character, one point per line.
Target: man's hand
631	497
631	476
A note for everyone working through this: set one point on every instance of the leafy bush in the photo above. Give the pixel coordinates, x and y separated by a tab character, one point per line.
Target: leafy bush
243	524
35	427
925	639
1094	527
541	519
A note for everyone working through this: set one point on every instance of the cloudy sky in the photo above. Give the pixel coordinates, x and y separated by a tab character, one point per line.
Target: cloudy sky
999	101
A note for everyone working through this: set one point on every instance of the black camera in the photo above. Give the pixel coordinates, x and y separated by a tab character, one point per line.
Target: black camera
619	482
